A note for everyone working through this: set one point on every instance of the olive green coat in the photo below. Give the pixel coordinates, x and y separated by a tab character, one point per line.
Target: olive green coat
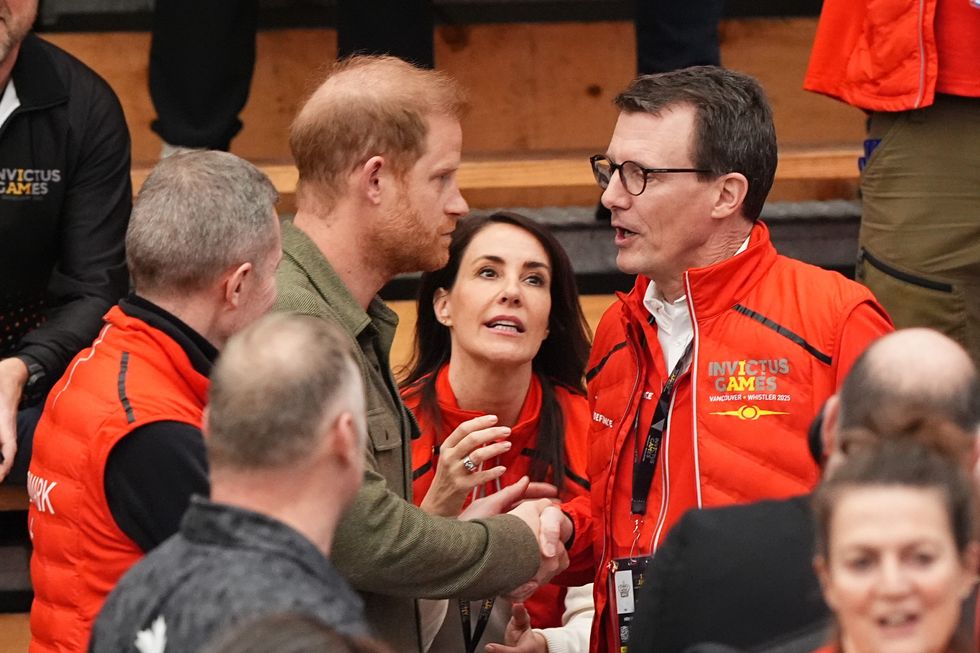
391	551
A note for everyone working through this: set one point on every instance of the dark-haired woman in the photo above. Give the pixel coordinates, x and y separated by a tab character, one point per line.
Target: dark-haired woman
496	384
897	549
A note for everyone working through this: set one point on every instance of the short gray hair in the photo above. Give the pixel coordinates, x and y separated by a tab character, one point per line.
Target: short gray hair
275	386
197	215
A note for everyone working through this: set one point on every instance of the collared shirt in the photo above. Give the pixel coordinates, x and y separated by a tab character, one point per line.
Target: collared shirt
9	102
323	294
382	531
674	328
225	565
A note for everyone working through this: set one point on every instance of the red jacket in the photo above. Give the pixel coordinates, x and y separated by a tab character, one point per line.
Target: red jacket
547	604
132	375
773	338
878	56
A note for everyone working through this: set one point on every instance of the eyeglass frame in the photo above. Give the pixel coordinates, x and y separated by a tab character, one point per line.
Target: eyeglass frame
618	167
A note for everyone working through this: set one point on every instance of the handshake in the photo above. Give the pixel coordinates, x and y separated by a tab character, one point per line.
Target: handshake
533	504
465	464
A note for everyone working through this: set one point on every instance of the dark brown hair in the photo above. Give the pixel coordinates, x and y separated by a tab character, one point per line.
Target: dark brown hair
561	359
930	454
733	128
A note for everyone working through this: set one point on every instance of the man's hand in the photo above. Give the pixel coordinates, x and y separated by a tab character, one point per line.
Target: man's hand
477	440
13	376
507	498
548	523
518	637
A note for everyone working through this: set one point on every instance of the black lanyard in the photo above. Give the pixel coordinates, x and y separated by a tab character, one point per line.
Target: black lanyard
472	638
645	463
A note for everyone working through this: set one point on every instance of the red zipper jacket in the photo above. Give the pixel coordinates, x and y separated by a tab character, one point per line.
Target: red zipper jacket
773	338
548	603
877	56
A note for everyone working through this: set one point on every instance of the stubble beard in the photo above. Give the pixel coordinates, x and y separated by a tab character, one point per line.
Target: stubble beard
408	244
14	30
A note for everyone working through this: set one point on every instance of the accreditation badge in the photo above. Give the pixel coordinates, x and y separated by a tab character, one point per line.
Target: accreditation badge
625	580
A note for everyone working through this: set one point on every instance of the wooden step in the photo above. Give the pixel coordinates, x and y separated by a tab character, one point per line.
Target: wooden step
565	178
15	633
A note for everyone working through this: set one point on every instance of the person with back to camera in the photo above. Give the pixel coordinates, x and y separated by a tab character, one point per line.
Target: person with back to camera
290	633
897	548
496	385
285	429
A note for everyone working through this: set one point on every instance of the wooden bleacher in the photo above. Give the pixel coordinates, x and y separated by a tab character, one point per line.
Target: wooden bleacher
536	113
533	179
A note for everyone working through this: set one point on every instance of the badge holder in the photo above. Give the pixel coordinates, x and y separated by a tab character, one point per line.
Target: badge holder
626	579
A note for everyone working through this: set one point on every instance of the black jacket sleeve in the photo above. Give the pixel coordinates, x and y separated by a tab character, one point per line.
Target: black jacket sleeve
149	479
90	274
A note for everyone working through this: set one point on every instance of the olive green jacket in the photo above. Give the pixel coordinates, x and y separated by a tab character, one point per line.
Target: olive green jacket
388	549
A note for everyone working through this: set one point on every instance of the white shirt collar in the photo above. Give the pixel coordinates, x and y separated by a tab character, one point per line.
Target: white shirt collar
662	311
8	102
674	328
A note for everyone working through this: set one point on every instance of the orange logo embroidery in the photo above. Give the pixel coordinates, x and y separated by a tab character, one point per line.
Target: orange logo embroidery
750	413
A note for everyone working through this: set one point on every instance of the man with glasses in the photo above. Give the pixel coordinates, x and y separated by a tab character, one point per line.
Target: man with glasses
704	378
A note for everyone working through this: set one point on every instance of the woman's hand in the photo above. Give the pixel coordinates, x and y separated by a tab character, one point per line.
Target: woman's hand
519	637
475	440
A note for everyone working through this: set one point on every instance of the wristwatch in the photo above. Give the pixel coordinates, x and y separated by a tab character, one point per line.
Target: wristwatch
35	386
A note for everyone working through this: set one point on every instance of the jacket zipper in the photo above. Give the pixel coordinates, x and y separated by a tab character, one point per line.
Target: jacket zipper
694	388
607	522
664	480
865	255
922	56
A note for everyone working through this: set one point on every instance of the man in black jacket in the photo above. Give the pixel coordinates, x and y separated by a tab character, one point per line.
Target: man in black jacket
743	575
65	198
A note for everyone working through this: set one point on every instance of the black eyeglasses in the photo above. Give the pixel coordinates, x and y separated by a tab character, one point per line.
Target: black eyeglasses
631	174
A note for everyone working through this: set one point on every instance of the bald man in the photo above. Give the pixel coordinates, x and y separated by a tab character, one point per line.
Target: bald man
377	147
743	575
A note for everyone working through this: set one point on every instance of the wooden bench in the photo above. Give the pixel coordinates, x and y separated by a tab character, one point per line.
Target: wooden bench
565	179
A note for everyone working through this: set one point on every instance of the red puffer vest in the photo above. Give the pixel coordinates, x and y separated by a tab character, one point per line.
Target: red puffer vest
877	56
132	375
773	338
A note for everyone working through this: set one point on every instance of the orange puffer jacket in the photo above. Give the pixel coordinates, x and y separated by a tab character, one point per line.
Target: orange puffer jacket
877	56
132	375
773	338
